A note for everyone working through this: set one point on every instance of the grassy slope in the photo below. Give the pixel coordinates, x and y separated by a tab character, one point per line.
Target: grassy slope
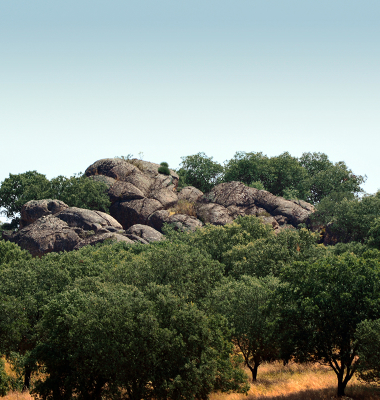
299	382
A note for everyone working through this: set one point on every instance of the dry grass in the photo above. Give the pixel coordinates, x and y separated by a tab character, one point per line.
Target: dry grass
15	395
183	207
291	382
18	396
299	382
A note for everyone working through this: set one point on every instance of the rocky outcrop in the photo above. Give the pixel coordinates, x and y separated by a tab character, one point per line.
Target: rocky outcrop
72	228
136	190
141	195
142	201
35	209
45	235
244	200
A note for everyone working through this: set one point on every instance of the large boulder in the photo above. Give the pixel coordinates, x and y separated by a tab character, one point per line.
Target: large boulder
133	212
47	234
166	196
180	222
112	167
123	191
215	214
107	180
143	174
35	209
71	229
145	232
190	193
87	219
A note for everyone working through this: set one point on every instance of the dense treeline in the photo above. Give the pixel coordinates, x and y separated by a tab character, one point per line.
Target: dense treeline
117	318
178	318
312	177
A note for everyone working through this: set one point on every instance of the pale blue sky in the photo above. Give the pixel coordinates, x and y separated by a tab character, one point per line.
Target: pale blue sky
84	80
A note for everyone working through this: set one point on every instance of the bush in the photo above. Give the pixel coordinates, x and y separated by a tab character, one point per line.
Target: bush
4	379
164	168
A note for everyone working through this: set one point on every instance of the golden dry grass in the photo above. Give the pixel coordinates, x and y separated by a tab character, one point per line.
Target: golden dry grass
299	382
18	396
184	207
291	382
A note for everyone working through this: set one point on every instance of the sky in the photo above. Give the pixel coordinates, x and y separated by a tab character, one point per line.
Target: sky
84	80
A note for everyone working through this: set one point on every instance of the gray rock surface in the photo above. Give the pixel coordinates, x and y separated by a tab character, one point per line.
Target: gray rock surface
112	167
166	196
190	193
47	234
34	209
123	191
179	221
87	219
239	196
133	212
212	213
145	232
104	179
100	238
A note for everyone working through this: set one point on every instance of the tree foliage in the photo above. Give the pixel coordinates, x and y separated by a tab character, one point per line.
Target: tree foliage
18	189
322	304
200	171
311	177
76	191
248	305
99	339
349	220
368	338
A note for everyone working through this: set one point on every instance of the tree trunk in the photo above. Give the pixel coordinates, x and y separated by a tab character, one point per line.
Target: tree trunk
341	386
28	373
254	370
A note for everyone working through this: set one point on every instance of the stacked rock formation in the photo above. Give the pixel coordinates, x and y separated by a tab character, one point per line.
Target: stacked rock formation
53	226
140	194
143	200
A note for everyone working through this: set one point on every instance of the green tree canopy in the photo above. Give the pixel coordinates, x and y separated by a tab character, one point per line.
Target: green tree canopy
76	191
348	220
328	179
248	305
311	177
98	339
322	304
248	168
200	171
368	338
18	189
